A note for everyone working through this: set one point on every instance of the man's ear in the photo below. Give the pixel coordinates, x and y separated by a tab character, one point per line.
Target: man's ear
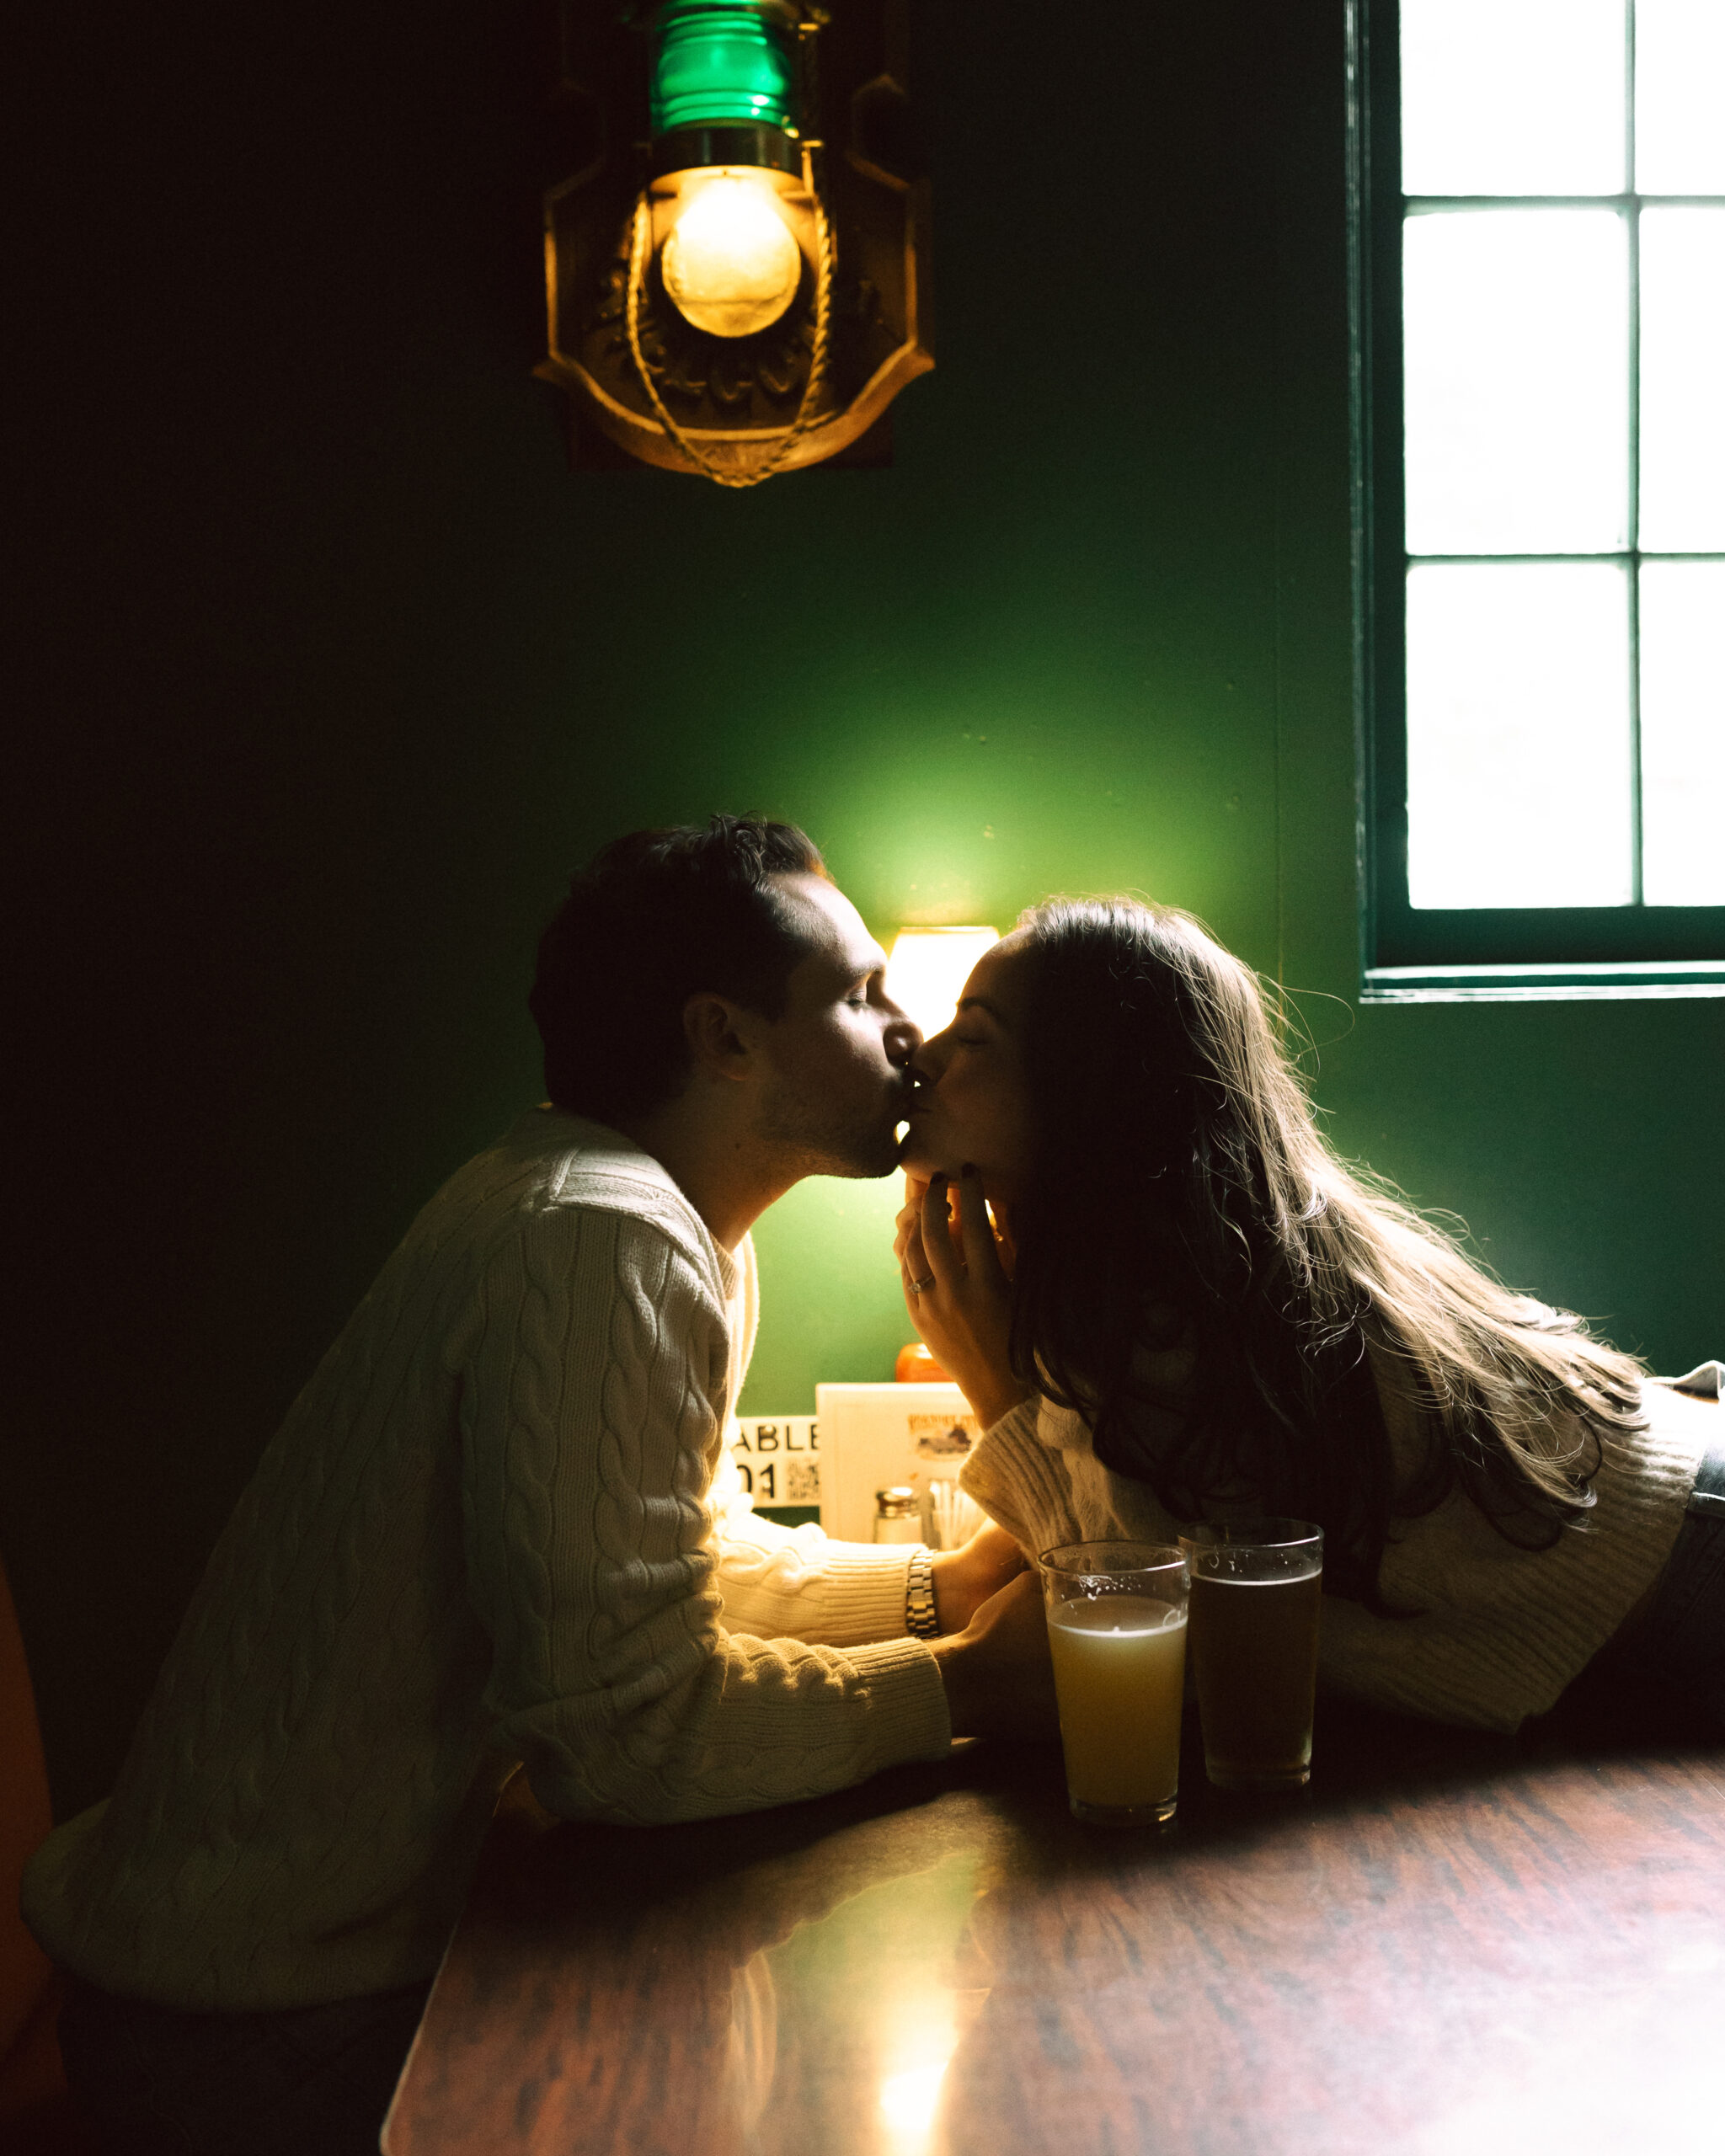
715	1038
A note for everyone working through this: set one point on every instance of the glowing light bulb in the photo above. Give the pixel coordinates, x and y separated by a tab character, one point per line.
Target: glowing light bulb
729	263
928	968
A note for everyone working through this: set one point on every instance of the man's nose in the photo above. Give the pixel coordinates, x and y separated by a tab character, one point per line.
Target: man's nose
903	1038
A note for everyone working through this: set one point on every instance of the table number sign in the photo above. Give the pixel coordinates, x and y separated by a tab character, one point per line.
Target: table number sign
778	1457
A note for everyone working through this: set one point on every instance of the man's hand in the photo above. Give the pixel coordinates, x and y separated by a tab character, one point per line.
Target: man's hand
965	1578
999	1677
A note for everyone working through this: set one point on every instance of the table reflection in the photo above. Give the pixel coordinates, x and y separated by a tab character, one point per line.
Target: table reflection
760	1985
859	2067
943	1963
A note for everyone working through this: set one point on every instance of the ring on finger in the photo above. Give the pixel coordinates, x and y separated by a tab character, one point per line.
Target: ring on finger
916	1287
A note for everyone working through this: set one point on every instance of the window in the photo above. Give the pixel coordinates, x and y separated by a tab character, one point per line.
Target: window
1539	226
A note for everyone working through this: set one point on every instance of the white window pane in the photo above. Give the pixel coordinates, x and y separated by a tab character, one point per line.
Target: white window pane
1683	733
1518	735
1683	380
1679	96
1513	97
1516	371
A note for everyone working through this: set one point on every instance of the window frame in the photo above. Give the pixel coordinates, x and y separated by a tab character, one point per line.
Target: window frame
1408	954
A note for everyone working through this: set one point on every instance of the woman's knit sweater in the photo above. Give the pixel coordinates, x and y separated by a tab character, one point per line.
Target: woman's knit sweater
501	1525
1496	1632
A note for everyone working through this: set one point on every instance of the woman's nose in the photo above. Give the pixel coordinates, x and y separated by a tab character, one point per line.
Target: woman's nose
930	1060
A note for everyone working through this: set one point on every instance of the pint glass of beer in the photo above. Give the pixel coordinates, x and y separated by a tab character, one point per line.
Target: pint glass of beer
1255	1590
1117	1630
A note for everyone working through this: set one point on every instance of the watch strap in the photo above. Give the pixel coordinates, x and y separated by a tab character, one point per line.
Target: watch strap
922	1620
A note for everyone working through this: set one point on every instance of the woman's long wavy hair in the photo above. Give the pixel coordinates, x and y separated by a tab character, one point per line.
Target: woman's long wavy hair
1182	1197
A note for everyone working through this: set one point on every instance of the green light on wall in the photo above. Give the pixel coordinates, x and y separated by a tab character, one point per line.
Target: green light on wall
722	63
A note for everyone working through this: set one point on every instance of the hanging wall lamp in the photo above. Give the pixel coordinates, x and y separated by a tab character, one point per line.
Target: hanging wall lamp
735	257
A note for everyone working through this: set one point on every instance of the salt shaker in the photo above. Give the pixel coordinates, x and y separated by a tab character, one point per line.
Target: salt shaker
898	1515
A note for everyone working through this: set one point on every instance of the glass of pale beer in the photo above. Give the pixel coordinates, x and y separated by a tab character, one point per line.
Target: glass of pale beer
1256	1586
1117	1630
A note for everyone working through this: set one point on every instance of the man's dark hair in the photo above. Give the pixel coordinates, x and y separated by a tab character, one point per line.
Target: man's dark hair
658	917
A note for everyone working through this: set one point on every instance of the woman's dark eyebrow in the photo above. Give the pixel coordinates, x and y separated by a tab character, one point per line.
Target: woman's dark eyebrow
982	1003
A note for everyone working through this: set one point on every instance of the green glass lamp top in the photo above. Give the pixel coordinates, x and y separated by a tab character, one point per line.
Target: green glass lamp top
718	63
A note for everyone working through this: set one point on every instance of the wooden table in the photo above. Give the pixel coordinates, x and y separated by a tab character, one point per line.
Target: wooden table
1450	1945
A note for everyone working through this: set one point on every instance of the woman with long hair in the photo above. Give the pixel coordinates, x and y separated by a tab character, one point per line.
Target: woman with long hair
1187	1306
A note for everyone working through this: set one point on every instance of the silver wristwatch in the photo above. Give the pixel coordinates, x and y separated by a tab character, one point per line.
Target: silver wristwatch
921	1621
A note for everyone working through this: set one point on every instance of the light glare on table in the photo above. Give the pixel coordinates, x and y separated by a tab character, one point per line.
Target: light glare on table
908	2103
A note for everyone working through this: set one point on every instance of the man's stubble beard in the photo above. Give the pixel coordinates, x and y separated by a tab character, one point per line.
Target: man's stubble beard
817	1141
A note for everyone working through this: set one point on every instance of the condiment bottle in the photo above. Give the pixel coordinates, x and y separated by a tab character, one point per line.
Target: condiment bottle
898	1515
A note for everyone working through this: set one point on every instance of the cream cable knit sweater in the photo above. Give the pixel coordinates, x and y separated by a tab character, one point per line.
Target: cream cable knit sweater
1500	1632
501	1524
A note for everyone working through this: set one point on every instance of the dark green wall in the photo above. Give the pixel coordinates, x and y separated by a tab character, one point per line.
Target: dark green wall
334	670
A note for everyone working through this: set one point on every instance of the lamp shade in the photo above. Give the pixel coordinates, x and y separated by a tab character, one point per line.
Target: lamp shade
927	970
720	63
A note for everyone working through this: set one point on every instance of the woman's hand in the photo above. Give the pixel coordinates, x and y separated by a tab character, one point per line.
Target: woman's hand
998	1674
965	1578
958	1293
